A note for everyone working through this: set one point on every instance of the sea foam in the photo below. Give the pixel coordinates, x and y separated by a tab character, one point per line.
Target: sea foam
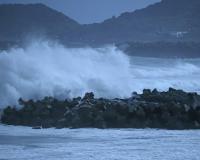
49	69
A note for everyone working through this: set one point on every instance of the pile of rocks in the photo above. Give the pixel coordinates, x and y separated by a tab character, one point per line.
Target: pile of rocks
174	109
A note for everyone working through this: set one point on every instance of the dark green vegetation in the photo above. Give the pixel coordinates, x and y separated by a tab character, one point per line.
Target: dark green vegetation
21	22
169	21
174	109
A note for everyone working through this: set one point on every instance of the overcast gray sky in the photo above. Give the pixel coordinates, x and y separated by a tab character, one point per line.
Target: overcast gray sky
90	11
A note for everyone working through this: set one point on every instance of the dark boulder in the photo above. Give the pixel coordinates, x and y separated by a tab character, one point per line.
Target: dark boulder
174	109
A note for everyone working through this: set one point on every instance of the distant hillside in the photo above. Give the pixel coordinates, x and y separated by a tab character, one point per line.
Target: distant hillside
19	21
169	20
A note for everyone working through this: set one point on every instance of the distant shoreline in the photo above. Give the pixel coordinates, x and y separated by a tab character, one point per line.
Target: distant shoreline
161	49
158	49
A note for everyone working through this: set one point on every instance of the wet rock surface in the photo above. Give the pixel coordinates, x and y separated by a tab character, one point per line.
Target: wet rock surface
174	109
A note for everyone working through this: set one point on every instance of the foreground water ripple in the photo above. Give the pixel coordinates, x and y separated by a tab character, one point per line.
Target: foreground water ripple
22	143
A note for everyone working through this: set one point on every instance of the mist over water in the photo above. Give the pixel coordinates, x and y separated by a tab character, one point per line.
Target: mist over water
47	69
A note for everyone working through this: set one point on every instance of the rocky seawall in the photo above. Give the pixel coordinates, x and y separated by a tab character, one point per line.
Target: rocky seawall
174	109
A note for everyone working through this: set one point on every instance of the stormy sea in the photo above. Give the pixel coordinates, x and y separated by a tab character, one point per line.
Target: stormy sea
49	69
95	144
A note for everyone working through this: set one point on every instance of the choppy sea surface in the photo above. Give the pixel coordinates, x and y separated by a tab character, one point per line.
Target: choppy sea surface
24	143
44	69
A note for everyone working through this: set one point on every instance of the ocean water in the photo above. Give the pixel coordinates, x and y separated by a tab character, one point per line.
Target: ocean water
24	143
49	69
52	70
163	73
